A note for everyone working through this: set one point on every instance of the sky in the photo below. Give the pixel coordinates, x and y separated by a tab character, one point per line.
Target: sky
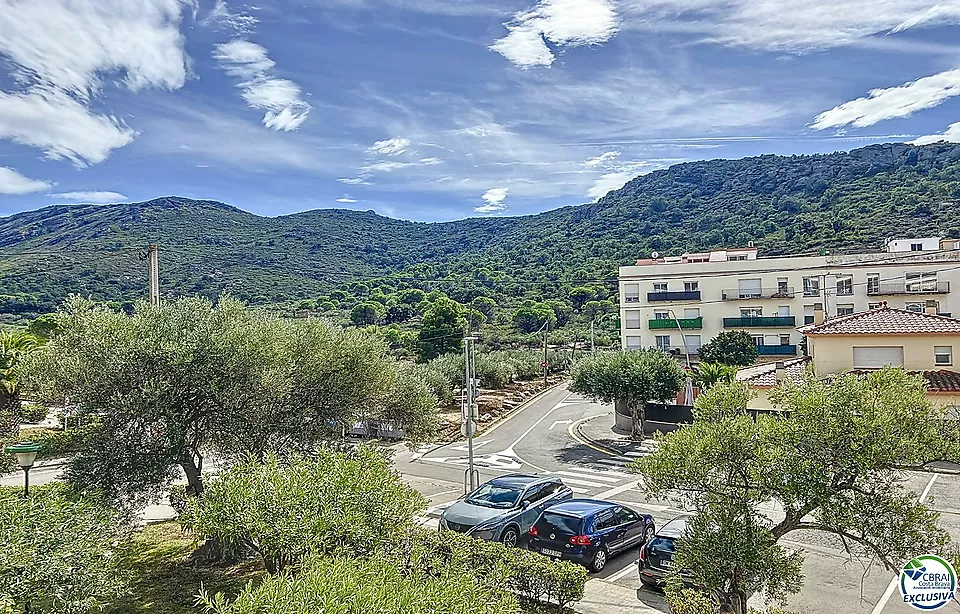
443	109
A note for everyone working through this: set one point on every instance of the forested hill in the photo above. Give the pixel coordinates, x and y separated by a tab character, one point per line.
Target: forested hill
845	201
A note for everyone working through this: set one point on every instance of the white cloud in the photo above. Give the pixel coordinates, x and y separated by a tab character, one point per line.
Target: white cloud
385	166
892	102
951	134
607	183
94	196
431	161
786	25
389	147
346	199
59	125
12	182
221	17
281	99
354	180
565	23
602	160
494	198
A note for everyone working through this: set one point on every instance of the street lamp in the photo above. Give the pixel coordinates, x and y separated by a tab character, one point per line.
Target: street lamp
26	453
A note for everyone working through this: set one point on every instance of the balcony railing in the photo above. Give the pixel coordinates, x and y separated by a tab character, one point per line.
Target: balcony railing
678	349
737	294
631	298
918	287
762	321
686	295
777	350
685	323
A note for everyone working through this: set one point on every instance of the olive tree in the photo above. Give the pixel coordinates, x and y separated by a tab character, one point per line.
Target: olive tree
636	378
833	461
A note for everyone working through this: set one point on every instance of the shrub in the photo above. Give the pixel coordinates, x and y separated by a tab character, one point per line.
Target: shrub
435	380
494	372
33	413
59	442
451	366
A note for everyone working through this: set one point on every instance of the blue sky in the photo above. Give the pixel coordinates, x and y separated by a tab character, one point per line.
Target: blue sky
444	109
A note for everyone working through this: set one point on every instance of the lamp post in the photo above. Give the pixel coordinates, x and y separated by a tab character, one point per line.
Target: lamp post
26	453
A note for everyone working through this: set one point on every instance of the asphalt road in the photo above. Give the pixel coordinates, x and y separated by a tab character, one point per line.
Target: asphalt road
540	439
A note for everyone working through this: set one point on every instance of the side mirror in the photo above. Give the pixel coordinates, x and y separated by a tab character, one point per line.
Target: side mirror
524	505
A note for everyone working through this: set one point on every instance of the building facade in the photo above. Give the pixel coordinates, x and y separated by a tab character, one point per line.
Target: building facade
679	303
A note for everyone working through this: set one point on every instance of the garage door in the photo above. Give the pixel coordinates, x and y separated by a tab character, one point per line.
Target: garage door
876	357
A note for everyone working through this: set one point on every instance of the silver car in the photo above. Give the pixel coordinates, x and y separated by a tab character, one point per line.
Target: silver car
504	508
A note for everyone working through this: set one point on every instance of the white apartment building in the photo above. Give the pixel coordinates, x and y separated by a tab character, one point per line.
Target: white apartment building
679	303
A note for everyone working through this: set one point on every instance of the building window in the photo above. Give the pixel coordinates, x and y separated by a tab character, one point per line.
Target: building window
691	286
873	305
918	307
808	314
631	293
659	286
811	286
758	340
873	283
661	315
921	282
943	355
691	313
845	286
633	343
877	357
693	343
783	310
784	339
916	247
751	312
844	310
736	257
783	286
750	288
663	342
632	319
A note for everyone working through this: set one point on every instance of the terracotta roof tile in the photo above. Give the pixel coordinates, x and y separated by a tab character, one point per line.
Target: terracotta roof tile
765	375
884	321
943	380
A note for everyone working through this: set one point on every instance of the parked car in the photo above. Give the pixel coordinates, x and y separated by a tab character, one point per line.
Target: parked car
504	508
656	556
588	531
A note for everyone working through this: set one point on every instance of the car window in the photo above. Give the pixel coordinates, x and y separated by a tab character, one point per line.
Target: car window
605	520
625	515
559	524
494	495
537	493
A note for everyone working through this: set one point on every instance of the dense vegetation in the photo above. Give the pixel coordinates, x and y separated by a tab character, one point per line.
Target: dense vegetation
843	201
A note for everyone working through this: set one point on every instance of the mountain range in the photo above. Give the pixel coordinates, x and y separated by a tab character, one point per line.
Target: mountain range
845	201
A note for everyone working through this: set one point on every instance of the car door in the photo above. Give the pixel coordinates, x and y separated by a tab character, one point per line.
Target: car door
606	527
633	525
531	505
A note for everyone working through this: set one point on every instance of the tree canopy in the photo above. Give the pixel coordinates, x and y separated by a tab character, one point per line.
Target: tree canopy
442	328
735	348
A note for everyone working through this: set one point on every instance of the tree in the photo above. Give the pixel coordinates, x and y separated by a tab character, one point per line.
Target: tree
735	348
43	327
411	296
833	461
562	311
531	316
367	314
484	304
398	313
475	319
441	329
60	551
14	347
636	378
174	383
707	374
580	295
285	512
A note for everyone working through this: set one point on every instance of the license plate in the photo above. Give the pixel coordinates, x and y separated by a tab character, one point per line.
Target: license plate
666	564
549	552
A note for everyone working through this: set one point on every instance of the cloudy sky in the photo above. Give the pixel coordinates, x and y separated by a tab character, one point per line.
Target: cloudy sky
443	109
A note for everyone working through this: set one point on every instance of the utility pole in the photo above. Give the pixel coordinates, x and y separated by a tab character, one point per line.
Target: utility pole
593	347
153	262
470	414
546	333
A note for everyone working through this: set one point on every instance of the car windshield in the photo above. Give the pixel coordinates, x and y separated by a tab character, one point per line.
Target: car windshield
495	495
559	523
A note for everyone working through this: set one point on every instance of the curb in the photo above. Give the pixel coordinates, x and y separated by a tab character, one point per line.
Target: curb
577	433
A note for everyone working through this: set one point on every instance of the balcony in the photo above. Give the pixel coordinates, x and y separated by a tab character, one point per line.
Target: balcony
777	350
685	323
918	287
679	350
762	321
687	295
737	294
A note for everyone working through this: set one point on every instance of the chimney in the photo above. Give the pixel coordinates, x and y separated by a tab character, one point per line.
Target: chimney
781	372
817	314
930	308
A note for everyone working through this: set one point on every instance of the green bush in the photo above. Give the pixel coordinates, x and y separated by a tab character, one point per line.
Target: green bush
494	372
451	366
58	442
33	413
435	380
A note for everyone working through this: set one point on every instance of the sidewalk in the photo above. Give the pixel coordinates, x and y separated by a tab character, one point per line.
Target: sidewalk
598	431
601	597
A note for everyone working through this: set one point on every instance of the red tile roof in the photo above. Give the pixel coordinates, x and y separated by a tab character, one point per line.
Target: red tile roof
885	321
765	375
943	380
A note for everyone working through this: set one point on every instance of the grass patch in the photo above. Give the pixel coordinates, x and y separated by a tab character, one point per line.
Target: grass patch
165	581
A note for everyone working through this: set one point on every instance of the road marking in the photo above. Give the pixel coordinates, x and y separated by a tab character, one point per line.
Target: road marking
593	476
622	573
579	490
572	431
526	404
619	489
620	462
602	471
556	422
476	444
893	582
537	423
583	482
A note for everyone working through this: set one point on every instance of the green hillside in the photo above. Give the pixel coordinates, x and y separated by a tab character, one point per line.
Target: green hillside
846	201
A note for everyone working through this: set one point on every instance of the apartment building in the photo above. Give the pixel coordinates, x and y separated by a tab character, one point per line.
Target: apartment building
679	303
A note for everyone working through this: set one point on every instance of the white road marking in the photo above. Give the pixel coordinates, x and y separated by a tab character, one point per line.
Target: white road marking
579	490
556	422
601	471
893	582
619	489
537	423
476	444
583	482
626	571
618	461
592	476
637	454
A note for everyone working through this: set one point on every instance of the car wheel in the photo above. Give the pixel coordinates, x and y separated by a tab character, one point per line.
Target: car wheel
510	537
599	560
648	533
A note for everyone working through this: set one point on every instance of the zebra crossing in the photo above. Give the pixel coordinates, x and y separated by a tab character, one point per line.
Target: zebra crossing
622	461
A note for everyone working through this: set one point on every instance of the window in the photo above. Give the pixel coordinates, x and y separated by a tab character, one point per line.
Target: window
877	357
632	318
633	343
921	282
691	286
750	288
784	339
811	286
691	313
693	343
873	283
659	286
808	314
845	286
943	355
605	521
844	310
758	340
783	286
631	293
663	342
916	247
736	257
873	305
535	494
918	307
661	315
783	310
625	516
751	312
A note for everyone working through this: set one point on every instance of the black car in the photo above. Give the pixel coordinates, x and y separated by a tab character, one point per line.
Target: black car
588	531
656	556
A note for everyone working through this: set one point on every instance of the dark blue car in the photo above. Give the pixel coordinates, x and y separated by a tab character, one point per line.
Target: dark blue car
588	531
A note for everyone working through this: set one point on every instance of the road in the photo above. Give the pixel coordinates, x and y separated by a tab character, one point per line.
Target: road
540	439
